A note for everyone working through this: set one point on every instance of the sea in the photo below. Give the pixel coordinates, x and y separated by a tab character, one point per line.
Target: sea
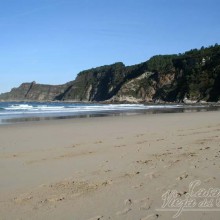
18	112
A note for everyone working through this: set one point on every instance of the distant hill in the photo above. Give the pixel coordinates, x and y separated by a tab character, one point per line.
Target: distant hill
190	77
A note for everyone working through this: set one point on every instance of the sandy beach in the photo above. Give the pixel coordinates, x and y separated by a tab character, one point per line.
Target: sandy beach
108	167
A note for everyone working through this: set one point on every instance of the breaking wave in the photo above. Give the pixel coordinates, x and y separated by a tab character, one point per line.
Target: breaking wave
53	108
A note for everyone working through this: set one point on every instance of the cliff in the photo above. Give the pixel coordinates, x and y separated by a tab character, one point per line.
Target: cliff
192	76
102	83
33	91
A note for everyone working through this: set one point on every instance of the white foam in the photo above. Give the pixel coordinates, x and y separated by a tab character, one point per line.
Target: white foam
78	108
19	107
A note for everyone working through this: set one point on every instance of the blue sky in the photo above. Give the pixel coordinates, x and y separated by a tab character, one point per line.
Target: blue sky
50	41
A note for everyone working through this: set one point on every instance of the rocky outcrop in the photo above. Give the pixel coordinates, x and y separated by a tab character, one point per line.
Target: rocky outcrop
33	91
190	77
102	83
145	88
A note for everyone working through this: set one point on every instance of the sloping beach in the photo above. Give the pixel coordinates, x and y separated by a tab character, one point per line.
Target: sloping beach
108	167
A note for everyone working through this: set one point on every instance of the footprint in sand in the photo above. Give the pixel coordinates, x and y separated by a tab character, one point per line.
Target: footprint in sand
120	145
124	211
98	142
96	218
145	207
193	166
137	186
56	199
106	171
73	146
171	163
143	161
128	202
139	135
107	182
160	139
141	142
150	217
131	174
167	165
183	176
23	198
145	203
151	175
143	200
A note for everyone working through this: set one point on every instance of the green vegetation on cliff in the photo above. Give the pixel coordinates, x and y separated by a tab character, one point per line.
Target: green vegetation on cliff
199	70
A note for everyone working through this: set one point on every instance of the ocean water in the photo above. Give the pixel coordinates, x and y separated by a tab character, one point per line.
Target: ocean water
12	112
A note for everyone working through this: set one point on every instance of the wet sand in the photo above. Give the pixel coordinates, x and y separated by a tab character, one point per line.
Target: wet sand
108	167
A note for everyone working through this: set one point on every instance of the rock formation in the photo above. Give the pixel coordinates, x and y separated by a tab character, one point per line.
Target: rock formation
189	77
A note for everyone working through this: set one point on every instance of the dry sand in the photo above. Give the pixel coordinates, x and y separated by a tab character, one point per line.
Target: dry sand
107	168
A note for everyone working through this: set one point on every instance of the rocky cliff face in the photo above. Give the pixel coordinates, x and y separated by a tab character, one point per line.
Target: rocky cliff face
145	88
102	83
194	75
33	91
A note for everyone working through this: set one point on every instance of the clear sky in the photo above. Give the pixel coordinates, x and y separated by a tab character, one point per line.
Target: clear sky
50	41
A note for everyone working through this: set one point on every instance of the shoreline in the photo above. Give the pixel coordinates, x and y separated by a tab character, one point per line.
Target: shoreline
115	167
65	120
82	111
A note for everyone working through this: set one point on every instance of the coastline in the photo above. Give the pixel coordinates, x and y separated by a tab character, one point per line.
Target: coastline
106	167
22	112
